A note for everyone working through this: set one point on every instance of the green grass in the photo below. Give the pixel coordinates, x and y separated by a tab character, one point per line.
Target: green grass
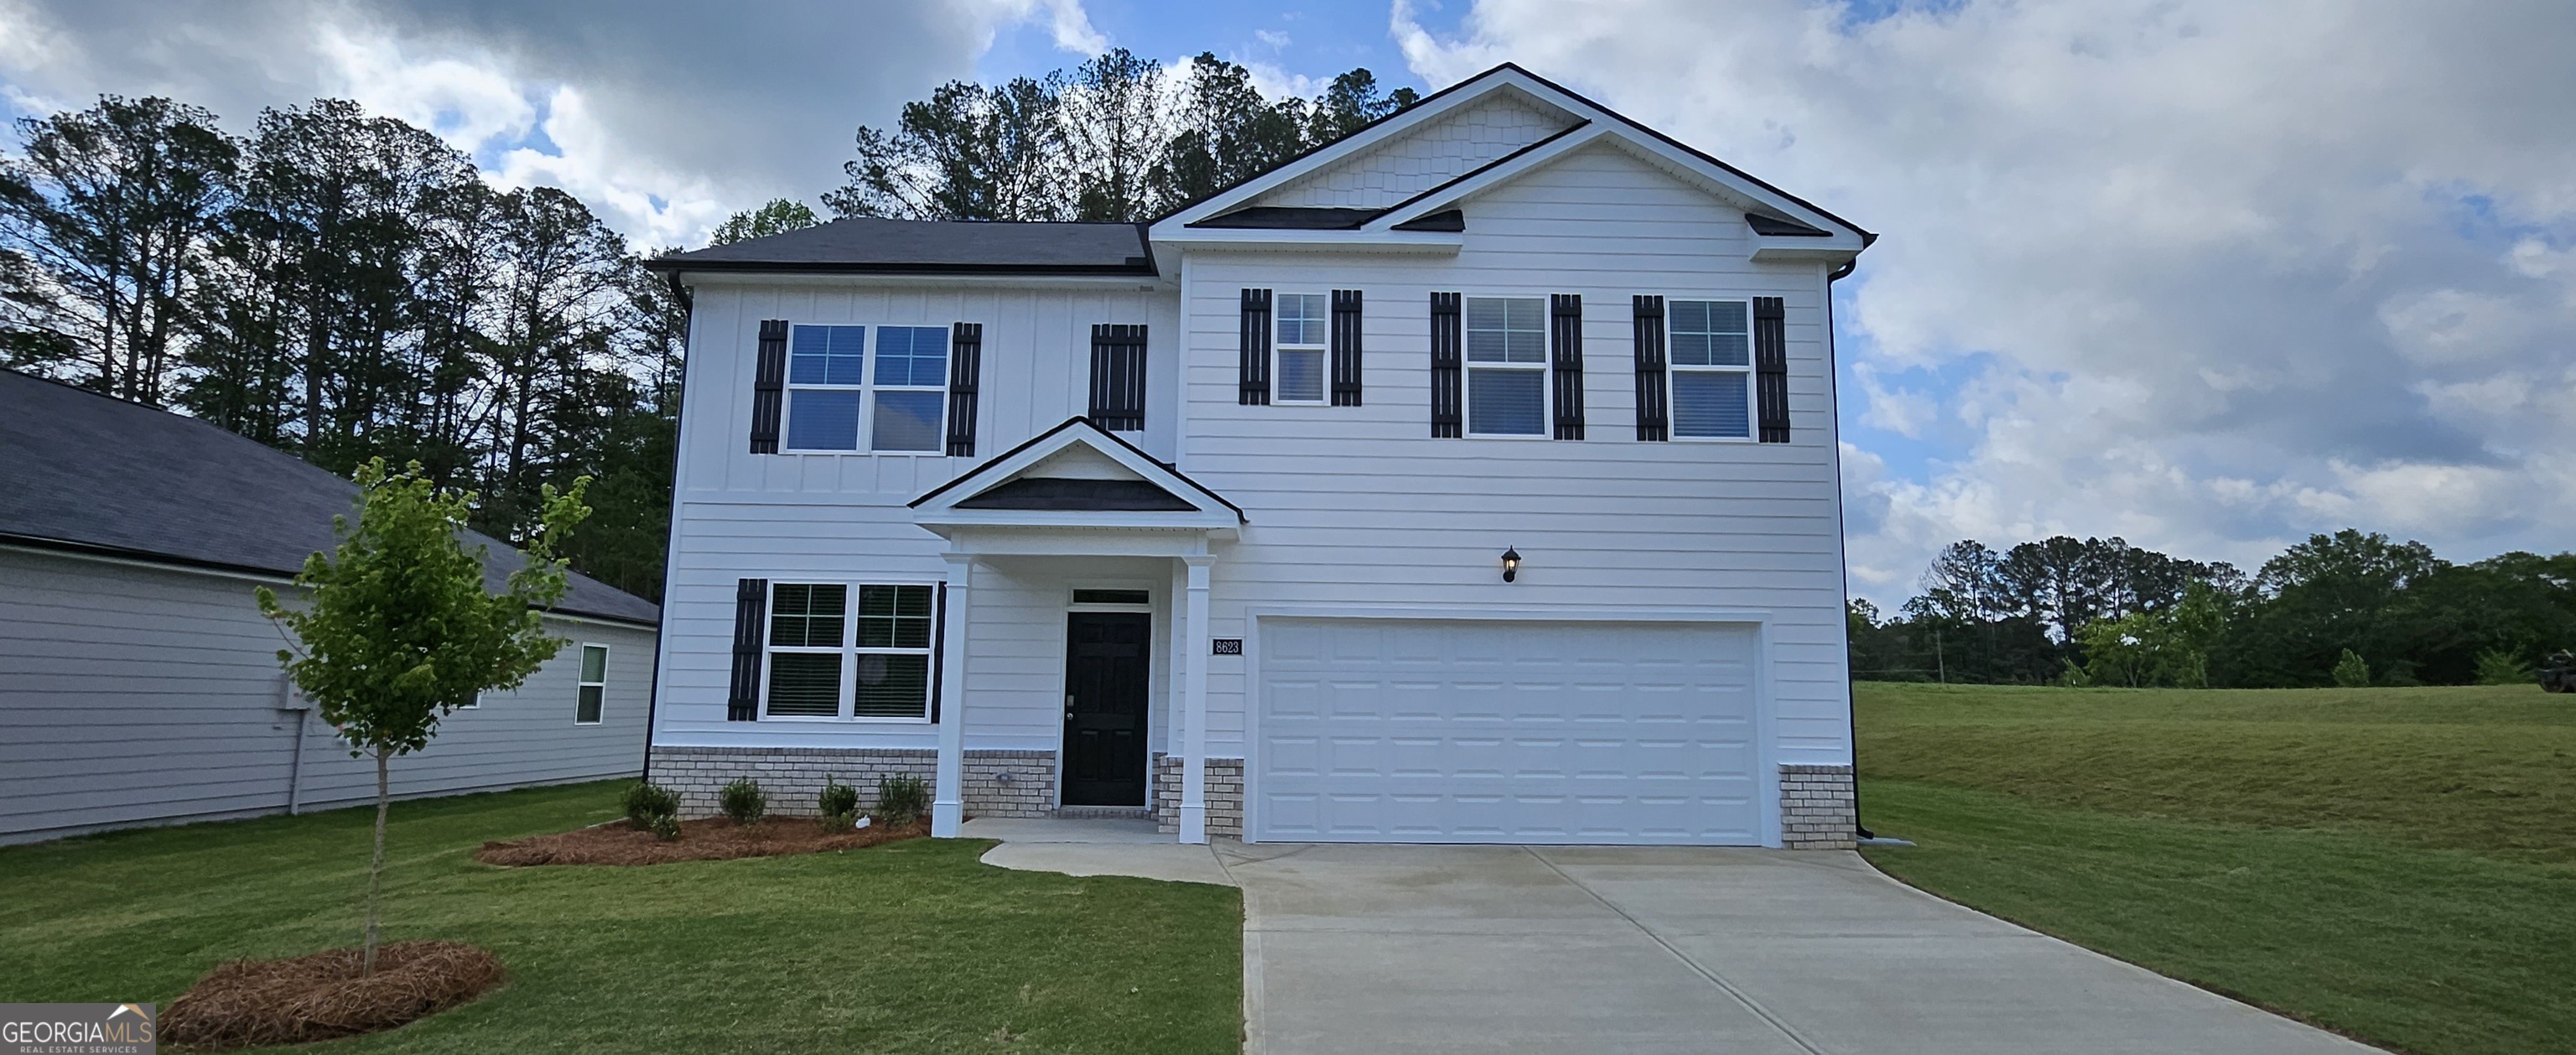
2395	864
909	947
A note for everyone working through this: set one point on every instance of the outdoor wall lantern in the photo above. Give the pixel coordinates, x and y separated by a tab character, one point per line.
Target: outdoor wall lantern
1511	564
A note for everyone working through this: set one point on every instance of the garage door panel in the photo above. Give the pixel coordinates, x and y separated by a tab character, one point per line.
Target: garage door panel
1495	731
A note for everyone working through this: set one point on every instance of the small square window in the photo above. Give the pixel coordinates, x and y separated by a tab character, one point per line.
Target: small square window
894	617
823	419
827	355
807	616
1302	319
805	684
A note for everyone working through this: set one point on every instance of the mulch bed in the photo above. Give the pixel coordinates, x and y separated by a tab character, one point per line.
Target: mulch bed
321	996
712	839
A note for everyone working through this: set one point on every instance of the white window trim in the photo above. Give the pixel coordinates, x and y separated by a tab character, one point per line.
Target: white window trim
1323	356
580	683
867	388
849	651
1468	367
1672	423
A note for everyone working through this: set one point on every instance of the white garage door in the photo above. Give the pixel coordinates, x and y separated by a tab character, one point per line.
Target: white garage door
1384	730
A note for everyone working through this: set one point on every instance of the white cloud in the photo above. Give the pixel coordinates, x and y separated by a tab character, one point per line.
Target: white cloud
2220	274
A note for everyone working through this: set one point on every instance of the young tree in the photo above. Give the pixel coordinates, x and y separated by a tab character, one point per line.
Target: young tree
398	629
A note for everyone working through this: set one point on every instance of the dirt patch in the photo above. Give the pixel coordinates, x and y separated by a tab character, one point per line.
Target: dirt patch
321	996
712	839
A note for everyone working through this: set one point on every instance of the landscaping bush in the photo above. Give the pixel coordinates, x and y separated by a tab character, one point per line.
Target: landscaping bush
838	805
743	801
902	799
665	827
646	801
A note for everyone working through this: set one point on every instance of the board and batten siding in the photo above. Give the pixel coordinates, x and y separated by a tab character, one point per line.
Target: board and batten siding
134	694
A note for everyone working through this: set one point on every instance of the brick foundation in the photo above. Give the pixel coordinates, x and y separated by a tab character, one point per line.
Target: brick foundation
1224	796
998	783
1818	808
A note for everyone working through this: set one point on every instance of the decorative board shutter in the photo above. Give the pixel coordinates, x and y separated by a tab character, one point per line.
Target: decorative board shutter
1346	348
1252	384
1565	341
1654	419
1447	337
938	649
1118	377
750	635
1771	367
768	386
965	362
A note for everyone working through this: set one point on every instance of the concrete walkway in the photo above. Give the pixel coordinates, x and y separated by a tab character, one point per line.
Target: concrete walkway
1587	949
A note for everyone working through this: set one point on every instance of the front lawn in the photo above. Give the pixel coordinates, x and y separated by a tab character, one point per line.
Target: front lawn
909	947
2396	864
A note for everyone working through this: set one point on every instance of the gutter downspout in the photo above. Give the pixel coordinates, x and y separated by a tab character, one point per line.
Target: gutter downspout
1851	709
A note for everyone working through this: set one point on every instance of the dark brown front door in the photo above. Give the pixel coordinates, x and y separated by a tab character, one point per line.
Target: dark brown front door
1107	669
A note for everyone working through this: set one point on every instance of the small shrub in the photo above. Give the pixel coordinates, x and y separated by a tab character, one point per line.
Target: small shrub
902	799
665	827
2351	671
2498	666
646	801
743	801
838	806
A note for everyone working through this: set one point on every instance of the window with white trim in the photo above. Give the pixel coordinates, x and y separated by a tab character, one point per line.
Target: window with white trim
1506	366
1304	321
833	398
828	661
593	694
1711	368
892	671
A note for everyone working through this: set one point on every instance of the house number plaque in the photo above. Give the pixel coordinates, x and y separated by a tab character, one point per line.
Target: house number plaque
1229	646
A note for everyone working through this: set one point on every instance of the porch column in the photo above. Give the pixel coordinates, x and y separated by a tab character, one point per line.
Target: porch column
948	808
1194	650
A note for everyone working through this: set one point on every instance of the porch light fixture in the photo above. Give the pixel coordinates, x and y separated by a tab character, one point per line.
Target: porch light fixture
1511	563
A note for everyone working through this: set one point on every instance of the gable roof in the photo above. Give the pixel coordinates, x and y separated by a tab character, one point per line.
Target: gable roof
867	244
1009	488
90	473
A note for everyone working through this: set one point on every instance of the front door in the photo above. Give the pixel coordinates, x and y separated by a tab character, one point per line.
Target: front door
1106	674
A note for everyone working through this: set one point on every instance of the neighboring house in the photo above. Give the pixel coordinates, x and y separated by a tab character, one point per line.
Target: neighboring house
139	683
1216	517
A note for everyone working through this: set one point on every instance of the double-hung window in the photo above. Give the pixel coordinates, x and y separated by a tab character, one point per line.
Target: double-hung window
593	693
1303	327
826	661
833	398
1506	366
1711	368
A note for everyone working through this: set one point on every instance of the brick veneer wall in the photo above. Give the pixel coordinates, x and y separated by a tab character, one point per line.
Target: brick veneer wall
1224	796
998	783
1818	808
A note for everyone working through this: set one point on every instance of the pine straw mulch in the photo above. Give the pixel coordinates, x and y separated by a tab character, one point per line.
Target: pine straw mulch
712	839
321	996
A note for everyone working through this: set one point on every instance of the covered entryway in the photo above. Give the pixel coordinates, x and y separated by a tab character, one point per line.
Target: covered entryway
1505	731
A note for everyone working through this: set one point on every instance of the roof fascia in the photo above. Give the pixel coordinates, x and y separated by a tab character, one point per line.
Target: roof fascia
1333	241
705	279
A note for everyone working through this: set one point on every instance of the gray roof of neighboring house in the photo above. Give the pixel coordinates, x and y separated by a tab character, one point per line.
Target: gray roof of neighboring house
865	244
88	472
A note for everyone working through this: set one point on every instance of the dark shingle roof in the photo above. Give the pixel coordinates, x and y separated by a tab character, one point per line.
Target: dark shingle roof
867	244
89	472
1062	494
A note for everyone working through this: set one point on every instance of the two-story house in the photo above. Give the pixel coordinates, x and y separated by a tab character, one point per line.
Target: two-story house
1469	479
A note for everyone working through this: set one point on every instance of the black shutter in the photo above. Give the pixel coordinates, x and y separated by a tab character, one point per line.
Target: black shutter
1447	337
1654	420
750	635
1346	348
965	361
938	649
1118	377
768	386
1771	367
1252	378
1565	341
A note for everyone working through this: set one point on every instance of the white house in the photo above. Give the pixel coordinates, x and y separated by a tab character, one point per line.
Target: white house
1469	479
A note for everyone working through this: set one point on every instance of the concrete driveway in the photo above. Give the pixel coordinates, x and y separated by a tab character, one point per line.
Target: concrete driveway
1598	949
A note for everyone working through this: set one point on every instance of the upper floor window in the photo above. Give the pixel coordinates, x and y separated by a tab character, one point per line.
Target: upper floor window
1303	334
1506	366
833	398
1712	369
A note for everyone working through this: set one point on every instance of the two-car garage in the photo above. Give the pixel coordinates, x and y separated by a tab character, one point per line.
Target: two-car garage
1505	731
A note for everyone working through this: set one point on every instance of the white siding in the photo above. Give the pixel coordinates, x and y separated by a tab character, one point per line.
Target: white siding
136	694
1426	156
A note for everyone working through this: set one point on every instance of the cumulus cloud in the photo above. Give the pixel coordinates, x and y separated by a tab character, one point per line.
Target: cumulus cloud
2226	273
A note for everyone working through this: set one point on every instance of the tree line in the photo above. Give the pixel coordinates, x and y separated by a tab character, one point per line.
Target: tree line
346	287
2346	608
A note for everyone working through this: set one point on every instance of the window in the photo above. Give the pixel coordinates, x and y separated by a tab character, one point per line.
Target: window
1711	369
594	684
1131	597
830	390
1303	326
1506	366
883	648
